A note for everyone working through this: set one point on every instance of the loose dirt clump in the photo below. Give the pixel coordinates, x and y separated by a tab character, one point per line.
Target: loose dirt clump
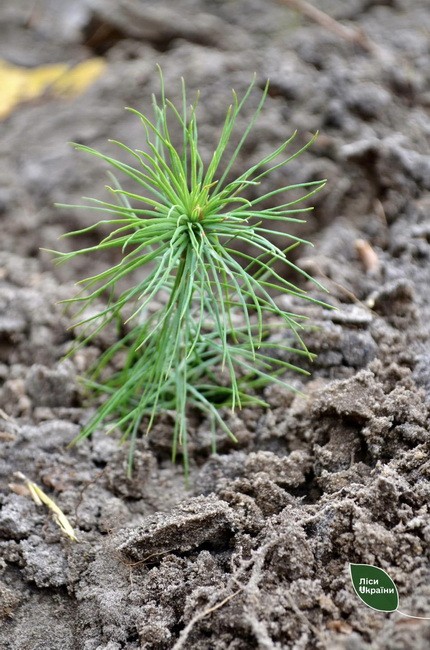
254	553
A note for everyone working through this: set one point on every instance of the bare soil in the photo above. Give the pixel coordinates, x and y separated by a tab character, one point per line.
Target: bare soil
255	552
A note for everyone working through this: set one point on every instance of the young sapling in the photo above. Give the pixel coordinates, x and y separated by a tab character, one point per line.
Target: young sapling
206	253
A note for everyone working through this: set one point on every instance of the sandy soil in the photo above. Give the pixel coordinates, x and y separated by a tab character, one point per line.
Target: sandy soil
255	553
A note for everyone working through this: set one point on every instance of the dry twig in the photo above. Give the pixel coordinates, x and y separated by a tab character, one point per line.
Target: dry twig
198	617
351	34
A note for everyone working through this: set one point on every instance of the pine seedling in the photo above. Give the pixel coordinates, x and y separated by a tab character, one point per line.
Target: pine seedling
212	342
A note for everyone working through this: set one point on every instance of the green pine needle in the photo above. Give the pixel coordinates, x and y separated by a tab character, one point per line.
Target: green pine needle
179	228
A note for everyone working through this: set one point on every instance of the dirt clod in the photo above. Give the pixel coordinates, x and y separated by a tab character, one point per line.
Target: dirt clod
254	552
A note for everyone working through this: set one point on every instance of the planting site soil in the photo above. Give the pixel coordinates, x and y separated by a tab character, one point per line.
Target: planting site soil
254	552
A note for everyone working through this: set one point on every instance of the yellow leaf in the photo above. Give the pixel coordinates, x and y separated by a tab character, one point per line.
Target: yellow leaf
40	498
37	80
24	84
76	80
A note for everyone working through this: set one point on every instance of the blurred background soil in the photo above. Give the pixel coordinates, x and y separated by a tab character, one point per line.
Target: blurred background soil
255	553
